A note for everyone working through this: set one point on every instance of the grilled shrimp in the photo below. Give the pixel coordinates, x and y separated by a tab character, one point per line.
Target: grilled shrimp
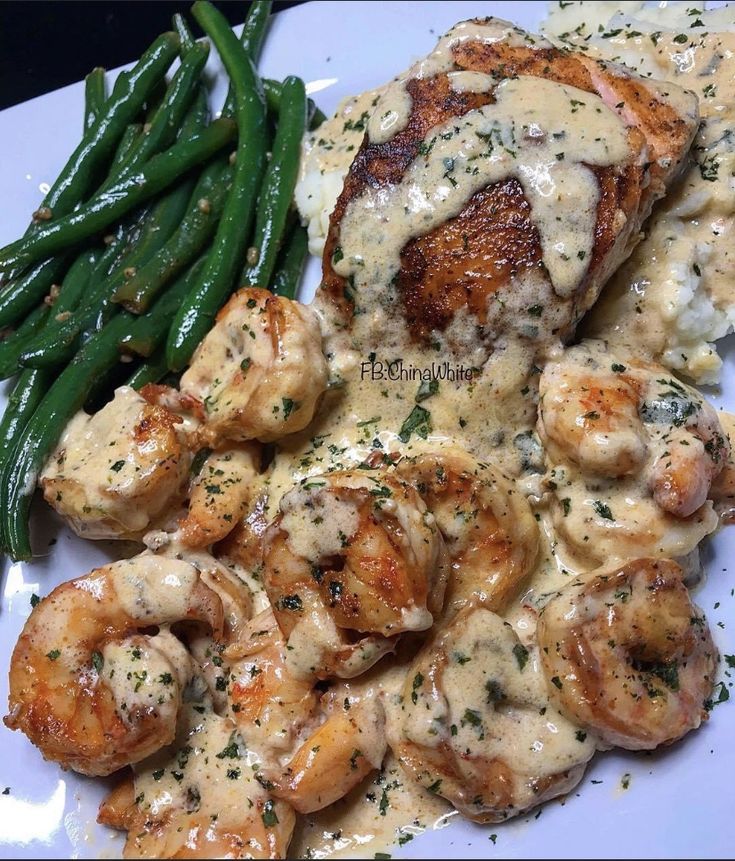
628	655
202	800
219	495
488	527
352	560
115	472
87	686
476	725
632	454
589	415
205	646
260	372
313	748
722	492
613	417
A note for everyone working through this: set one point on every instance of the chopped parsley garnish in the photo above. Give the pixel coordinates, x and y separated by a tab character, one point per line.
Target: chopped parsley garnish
521	655
418	680
289	406
232	751
427	389
603	510
291	602
270	820
472	717
418	422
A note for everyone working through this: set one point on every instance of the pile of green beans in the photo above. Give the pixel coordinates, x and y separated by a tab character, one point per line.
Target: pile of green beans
159	214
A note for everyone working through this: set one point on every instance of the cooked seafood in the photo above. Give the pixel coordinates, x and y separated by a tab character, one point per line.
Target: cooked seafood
88	685
115	472
628	655
476	725
260	372
399	498
219	495
488	527
205	801
632	453
352	560
485	127
313	748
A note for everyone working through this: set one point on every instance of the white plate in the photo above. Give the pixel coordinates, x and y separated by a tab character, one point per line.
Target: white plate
679	803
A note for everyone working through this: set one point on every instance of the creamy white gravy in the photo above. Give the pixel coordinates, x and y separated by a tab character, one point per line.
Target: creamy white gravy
388	809
370	413
392	112
540	132
673	298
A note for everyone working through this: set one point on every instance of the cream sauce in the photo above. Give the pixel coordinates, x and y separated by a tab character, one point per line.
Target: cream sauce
151	586
365	418
673	297
147	674
495	700
108	479
211	779
326	156
393	110
387	808
541	132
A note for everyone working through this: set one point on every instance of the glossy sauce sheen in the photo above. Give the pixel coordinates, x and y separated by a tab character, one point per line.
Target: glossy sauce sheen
686	260
528	134
545	137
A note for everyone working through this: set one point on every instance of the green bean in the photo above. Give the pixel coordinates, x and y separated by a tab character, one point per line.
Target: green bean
251	38
186	37
76	281
64	398
128	96
154	100
143	239
152	370
276	194
27	393
161	131
198	310
148	328
95	95
72	288
291	264
104	209
77	176
272	90
127	141
57	341
15	343
21	295
253	31
194	232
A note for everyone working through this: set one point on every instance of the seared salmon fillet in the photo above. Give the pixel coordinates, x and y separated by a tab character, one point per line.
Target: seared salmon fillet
504	178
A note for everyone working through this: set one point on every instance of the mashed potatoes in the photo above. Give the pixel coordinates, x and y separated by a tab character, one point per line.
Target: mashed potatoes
675	293
326	156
